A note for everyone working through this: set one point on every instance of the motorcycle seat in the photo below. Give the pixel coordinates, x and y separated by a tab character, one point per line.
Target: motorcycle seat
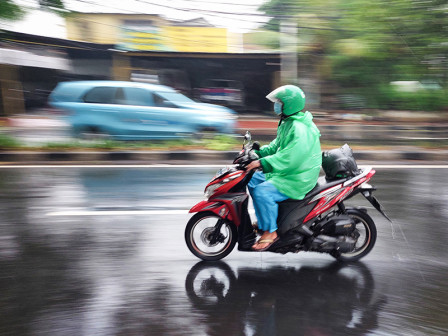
322	184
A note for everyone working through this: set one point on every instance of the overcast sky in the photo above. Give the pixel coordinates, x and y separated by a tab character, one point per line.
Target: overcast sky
241	17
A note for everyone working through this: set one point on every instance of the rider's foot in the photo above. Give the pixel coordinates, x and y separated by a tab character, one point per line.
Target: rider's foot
265	241
257	231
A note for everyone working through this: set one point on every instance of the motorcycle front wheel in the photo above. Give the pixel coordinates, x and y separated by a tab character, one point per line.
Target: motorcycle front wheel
209	237
366	232
210	285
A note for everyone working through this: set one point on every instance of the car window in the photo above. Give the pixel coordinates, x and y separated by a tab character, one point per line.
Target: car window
119	97
163	102
174	97
159	100
101	95
138	96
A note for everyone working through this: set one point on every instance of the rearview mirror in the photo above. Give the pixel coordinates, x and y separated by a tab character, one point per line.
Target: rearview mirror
248	136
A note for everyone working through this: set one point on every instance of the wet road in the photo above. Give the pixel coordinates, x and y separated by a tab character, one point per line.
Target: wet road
100	251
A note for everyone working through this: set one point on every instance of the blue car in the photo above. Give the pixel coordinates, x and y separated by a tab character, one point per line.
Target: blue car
136	111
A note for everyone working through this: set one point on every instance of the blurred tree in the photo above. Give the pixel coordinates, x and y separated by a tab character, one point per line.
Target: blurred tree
279	10
9	10
52	4
363	45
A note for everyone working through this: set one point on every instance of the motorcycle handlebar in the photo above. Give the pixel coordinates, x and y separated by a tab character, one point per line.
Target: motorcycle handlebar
244	160
247	155
256	145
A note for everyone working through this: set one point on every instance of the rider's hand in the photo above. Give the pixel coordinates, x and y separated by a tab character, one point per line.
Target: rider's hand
253	165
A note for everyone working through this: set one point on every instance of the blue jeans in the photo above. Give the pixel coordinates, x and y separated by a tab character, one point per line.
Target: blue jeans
265	196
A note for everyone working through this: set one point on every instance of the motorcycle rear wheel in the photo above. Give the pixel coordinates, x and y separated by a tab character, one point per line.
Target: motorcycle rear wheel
367	229
199	233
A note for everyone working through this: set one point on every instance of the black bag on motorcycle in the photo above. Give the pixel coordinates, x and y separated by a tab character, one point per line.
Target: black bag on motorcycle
339	163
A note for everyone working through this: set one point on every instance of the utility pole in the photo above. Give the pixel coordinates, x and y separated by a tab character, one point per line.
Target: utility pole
288	47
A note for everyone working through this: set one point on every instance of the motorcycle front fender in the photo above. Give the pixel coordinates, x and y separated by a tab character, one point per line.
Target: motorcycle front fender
233	208
217	207
227	206
198	207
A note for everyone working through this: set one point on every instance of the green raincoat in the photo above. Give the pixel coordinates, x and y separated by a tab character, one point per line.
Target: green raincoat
292	160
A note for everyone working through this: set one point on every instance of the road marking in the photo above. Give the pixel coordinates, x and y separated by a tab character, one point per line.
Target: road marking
410	166
74	213
379	166
115	212
112	166
415	138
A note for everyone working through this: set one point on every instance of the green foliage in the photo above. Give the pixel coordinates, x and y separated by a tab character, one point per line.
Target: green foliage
56	4
422	100
278	9
221	143
363	45
104	144
8	142
9	10
269	39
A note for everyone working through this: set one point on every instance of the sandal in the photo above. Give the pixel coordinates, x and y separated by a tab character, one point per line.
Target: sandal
265	241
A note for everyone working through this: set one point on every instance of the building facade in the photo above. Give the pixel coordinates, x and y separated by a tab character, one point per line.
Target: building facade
146	32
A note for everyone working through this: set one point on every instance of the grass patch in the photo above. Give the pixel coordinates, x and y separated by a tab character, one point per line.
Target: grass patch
8	142
217	143
104	144
220	143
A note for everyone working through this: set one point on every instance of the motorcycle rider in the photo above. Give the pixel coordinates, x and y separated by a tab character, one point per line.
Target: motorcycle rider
290	163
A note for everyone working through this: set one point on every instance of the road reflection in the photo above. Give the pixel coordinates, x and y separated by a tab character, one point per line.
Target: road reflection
336	299
111	274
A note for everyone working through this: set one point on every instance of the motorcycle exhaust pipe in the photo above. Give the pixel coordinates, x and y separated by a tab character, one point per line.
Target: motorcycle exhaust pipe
324	243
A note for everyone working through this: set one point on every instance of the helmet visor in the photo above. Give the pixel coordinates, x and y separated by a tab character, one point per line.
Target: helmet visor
273	95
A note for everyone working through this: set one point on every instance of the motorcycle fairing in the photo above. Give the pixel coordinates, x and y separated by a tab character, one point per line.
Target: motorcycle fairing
218	208
322	185
291	214
327	198
233	208
227	206
237	203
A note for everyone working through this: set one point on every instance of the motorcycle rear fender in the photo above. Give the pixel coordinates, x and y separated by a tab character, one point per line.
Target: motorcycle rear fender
367	191
227	206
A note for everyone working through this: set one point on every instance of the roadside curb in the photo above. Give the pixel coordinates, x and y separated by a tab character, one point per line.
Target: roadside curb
192	157
142	157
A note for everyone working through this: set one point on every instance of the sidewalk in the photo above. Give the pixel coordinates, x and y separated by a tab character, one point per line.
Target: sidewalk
409	156
392	128
393	136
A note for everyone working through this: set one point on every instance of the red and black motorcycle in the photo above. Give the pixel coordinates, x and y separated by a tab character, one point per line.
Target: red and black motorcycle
320	222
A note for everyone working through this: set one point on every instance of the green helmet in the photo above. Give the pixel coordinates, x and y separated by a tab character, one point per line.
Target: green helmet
291	96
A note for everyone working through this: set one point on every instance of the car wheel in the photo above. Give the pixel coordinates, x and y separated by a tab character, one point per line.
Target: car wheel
205	133
93	133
